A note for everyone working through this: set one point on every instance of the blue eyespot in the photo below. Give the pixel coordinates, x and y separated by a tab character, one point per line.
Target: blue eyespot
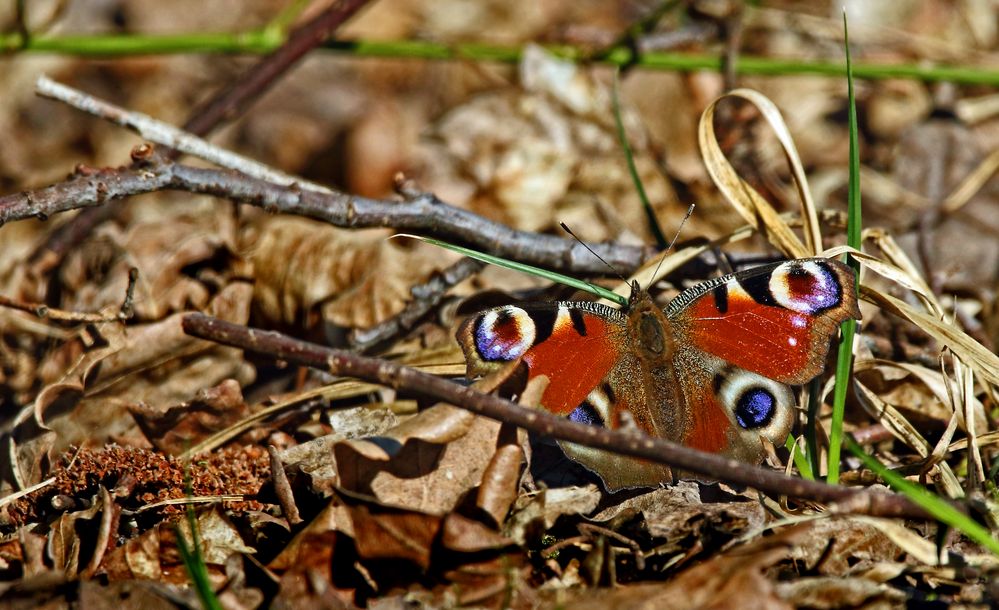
755	408
586	414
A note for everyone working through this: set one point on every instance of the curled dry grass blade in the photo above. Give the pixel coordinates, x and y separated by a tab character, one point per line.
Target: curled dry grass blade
753	208
935	505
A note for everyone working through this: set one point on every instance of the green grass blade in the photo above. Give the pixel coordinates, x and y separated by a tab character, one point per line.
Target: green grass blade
941	510
622	137
194	563
844	360
811	427
572	282
800	459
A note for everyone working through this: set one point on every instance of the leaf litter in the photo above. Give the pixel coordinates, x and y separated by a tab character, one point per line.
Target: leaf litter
114	428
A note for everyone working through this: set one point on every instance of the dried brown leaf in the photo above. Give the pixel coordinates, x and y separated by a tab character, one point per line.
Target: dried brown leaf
548	152
856	546
314	276
465	535
734	579
315	542
823	592
137	558
219	537
178	427
182	261
501	482
428	462
678	511
426	476
384	532
155	363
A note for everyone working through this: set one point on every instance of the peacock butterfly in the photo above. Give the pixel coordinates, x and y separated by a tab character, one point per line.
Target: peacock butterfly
711	371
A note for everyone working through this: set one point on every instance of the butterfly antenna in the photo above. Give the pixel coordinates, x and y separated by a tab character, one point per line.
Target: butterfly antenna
672	242
566	228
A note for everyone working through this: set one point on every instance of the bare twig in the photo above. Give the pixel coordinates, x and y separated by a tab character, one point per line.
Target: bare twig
224	106
426	297
167	135
428	386
282	488
425	215
44	311
233	101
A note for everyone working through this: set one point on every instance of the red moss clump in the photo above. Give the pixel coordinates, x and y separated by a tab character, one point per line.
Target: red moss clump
139	477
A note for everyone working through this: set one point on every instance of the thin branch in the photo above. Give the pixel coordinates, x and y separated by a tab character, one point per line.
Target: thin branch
167	135
224	106
42	310
426	297
233	101
425	215
418	383
282	488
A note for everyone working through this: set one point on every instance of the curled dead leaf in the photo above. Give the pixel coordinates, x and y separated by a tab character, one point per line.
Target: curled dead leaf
178	427
324	279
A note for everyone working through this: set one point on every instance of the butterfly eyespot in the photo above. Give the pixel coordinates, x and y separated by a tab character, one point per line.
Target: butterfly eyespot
586	414
755	408
502	335
755	402
807	287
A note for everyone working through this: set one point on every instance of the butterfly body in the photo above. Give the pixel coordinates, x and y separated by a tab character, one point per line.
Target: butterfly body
711	371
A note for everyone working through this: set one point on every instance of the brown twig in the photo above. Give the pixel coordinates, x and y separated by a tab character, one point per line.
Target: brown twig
425	215
426	297
224	106
338	362
44	311
596	530
232	101
282	488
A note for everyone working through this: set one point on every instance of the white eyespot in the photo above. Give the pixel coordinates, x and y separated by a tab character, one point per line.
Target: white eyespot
804	286
504	334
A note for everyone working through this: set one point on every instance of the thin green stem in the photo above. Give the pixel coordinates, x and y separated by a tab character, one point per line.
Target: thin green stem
811	427
844	360
129	44
636	180
264	41
941	509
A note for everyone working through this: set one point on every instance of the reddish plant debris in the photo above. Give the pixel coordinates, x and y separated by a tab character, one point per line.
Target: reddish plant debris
139	477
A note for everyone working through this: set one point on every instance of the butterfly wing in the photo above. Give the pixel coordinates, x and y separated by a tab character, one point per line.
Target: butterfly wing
742	337
775	320
583	350
574	345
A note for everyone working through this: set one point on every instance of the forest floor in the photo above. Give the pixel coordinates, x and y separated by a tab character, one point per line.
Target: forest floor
161	450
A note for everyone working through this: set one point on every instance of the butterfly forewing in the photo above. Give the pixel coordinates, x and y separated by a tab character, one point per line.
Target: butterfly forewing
775	320
573	344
